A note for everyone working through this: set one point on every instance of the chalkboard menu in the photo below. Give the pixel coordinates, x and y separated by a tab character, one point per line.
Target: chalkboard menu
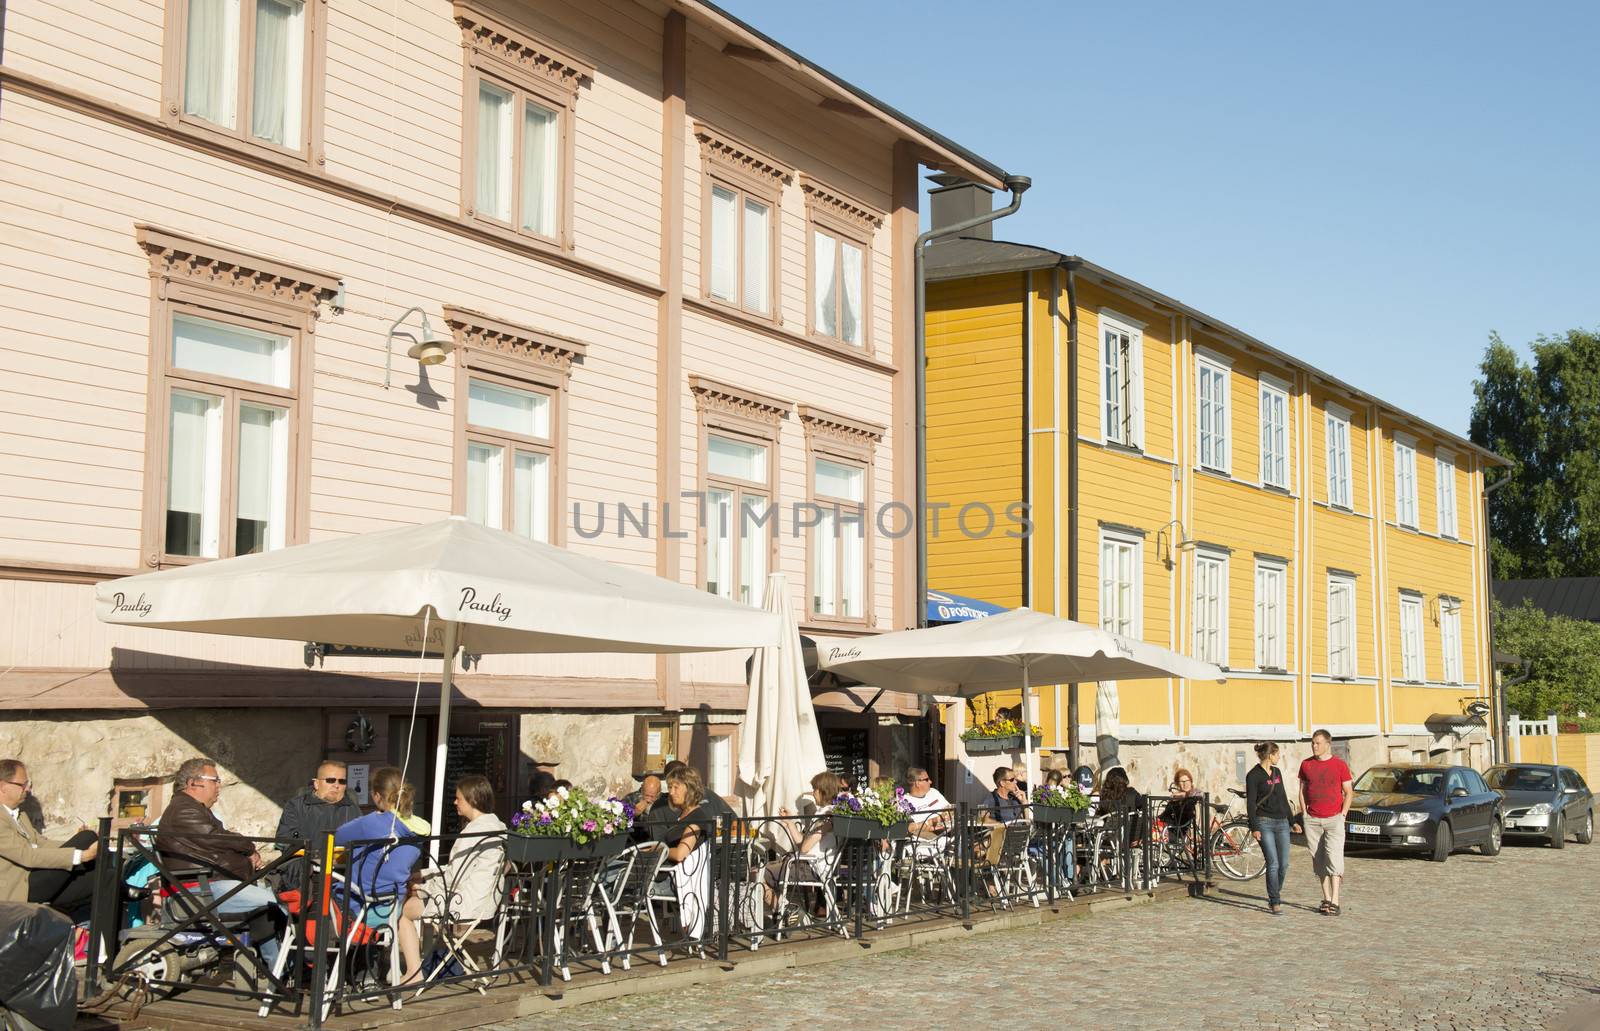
845	752
466	754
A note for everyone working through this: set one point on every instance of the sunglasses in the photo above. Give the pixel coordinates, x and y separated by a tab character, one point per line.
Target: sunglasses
334	780
26	785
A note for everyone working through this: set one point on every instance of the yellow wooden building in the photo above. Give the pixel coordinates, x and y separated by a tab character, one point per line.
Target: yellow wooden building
1193	486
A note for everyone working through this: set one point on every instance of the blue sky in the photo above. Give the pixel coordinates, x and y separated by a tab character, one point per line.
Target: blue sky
1372	188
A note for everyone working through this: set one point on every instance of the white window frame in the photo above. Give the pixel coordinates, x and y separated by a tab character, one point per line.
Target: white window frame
1444	493
1342	654
1130	426
745	538
1218	371
1336	437
510	444
1272	617
1413	651
1405	481
1114	543
1450	640
1211	641
1274	435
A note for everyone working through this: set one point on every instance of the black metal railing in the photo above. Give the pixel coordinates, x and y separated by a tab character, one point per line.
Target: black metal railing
489	909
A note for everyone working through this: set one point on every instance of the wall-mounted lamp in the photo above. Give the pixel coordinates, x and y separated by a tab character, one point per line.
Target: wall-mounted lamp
1164	534
427	347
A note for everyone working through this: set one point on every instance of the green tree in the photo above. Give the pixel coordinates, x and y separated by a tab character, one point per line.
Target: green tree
1564	662
1544	417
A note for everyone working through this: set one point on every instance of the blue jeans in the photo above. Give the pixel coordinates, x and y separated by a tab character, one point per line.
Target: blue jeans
251	899
1275	846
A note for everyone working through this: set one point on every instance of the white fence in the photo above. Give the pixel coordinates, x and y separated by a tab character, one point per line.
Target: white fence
1517	728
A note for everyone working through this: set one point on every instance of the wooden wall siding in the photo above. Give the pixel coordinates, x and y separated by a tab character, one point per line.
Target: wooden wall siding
1343	704
1433	568
111	51
734	355
974	341
72	413
1157	366
846	153
99	180
1360	494
1250	521
1269	702
394	108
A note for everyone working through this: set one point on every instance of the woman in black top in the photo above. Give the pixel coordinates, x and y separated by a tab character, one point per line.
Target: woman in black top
1267	809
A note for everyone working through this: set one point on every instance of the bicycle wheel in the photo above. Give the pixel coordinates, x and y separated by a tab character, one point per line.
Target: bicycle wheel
1237	853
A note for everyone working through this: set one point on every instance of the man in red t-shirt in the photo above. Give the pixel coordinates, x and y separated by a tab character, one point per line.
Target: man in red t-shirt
1325	791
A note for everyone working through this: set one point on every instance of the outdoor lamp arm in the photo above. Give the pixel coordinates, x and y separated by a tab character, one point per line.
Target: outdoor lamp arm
388	342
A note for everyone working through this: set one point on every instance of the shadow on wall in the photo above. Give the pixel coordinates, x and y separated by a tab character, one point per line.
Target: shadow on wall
263	755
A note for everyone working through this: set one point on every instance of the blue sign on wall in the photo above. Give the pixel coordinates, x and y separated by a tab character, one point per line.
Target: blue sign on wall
955	608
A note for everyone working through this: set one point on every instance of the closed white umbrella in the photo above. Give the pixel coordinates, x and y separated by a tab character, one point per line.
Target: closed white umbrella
1005	651
780	749
476	589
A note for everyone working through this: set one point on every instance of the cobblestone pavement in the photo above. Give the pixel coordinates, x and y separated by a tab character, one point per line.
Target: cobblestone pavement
1505	943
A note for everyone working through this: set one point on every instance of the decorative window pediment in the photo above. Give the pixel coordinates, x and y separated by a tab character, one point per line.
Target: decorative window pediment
517	49
175	258
727	153
841	207
831	431
517	348
721	399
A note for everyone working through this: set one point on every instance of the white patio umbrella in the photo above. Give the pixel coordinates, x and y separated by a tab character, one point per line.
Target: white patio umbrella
1005	651
437	589
780	749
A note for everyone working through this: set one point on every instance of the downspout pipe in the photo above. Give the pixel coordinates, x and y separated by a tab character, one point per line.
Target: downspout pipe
1499	698
1018	185
1072	501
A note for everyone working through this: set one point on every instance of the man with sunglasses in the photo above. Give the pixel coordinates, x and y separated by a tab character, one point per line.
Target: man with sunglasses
319	809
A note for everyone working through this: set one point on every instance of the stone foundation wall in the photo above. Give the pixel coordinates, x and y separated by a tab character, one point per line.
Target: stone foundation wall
593	750
263	755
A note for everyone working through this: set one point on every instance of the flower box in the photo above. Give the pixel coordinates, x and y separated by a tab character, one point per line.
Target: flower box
548	848
861	828
993	745
1058	814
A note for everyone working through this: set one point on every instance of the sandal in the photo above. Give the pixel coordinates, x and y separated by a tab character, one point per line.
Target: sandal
1326	908
1333	909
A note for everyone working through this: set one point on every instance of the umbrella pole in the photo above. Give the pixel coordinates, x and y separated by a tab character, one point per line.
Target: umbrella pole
441	745
1027	730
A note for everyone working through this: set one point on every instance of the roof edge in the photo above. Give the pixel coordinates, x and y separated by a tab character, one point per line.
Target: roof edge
966	162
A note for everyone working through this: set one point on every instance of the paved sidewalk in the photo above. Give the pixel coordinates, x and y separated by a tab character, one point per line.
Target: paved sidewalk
1507	943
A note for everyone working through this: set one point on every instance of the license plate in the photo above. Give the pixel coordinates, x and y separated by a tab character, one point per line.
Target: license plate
1361	828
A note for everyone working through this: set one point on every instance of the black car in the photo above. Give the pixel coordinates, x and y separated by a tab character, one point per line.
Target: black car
1544	801
1432	809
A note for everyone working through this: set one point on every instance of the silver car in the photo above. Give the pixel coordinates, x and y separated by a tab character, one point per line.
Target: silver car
1544	801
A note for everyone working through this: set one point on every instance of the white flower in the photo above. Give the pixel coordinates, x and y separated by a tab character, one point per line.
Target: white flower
527	806
562	792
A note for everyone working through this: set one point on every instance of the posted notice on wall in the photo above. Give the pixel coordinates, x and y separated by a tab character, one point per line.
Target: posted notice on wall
358	774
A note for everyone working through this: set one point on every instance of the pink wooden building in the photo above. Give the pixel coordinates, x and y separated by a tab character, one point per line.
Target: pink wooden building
671	257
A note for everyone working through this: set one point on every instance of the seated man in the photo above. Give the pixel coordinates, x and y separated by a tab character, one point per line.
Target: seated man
644	802
191	835
319	810
1004	804
926	799
31	868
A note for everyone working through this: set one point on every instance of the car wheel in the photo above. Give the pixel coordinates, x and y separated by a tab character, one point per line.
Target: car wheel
1491	844
1443	844
1586	828
1558	830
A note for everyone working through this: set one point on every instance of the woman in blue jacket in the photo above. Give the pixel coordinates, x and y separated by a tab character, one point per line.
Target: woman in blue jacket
381	865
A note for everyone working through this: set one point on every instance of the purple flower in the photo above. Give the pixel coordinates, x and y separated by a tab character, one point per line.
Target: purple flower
545	819
589	825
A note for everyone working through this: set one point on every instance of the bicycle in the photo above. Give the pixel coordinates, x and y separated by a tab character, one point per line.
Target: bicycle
1234	850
